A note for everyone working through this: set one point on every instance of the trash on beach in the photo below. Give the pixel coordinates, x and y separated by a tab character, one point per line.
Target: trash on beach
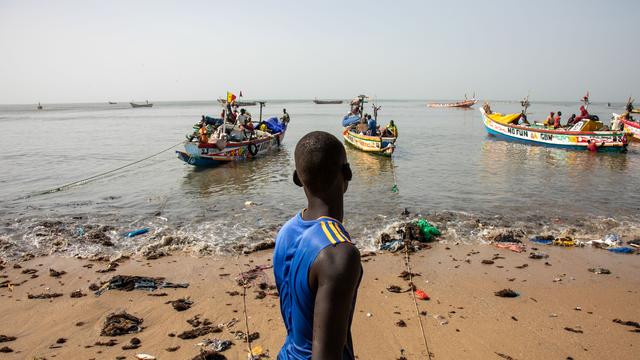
216	344
5	338
428	231
135	233
600	271
487	262
506	236
240	335
134	343
200	331
515	247
508	293
250	276
393	245
577	331
77	294
622	250
120	324
634	324
257	353
408	275
394	289
44	296
543	239
538	255
145	357
443	320
181	304
129	283
522	266
209	355
196	322
6	349
55	273
422	295
401	323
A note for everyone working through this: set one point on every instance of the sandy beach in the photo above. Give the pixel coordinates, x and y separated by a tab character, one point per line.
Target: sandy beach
563	311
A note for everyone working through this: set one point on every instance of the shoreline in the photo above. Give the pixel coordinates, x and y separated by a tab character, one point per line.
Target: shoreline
479	325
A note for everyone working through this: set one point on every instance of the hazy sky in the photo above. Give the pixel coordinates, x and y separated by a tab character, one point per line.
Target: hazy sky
95	51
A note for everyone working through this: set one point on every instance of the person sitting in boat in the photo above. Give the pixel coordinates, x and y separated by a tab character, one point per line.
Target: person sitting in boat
584	114
572	120
390	130
556	120
285	117
487	108
548	122
523	119
203	134
362	126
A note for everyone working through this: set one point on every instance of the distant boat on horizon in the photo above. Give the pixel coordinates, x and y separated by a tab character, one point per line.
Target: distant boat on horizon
39	106
139	105
112	103
327	102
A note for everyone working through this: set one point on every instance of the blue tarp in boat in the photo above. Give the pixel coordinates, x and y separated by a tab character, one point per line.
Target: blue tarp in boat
350	120
274	125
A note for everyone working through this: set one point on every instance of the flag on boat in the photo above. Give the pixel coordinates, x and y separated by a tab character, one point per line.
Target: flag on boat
230	97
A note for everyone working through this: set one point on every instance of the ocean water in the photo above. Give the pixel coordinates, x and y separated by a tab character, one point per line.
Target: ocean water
445	166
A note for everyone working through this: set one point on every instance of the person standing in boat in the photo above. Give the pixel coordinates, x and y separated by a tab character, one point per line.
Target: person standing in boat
584	114
391	130
285	117
316	266
373	126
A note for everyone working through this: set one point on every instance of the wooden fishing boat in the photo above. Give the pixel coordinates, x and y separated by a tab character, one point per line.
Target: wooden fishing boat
371	144
140	105
239	103
632	128
209	154
460	104
112	103
327	102
575	138
637	111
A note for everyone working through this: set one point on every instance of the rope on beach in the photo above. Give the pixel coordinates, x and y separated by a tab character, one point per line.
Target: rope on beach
244	304
95	177
394	188
415	301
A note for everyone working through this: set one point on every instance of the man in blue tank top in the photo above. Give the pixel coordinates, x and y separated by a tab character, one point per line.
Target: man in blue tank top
317	268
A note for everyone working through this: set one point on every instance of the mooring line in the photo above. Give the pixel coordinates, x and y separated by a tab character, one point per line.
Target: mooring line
415	301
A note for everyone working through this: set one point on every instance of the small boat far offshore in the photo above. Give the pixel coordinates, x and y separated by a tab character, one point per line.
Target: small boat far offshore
504	126
139	105
459	104
112	103
327	102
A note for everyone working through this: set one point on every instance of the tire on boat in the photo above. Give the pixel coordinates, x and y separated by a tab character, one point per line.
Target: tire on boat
253	149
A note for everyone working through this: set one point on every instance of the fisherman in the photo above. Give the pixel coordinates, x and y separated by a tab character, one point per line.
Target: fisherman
549	121
316	266
285	117
556	120
584	114
572	120
240	119
362	127
373	126
593	146
523	118
203	134
391	130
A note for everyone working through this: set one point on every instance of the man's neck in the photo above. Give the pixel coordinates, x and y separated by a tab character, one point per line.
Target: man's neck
317	208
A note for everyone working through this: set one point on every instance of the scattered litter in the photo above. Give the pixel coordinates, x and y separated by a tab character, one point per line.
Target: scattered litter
196	322
6	349
120	324
505	356
128	283
44	296
134	233
515	247
522	266
627	323
487	262
577	308
5	338
181	304
622	250
172	348
247	277
200	331
145	357
600	271
443	320
401	323
634	243
77	294
538	255
369	314
577	331
249	203
209	355
392	246
508	293
566	241
55	273
240	335
422	295
111	342
216	344
134	343
543	239
428	231
408	275
257	353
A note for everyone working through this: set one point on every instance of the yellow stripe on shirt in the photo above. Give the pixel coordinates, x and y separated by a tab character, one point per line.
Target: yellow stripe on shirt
339	235
327	233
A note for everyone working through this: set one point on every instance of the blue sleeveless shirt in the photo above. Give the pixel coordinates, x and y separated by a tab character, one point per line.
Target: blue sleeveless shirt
297	245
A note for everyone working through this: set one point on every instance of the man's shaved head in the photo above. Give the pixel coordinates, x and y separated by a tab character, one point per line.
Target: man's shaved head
321	162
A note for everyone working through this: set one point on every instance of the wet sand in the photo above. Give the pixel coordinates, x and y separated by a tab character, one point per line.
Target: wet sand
479	325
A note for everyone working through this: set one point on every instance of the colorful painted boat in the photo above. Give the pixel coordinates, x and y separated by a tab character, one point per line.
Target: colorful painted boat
575	138
207	154
637	111
239	103
327	102
371	144
459	104
632	128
